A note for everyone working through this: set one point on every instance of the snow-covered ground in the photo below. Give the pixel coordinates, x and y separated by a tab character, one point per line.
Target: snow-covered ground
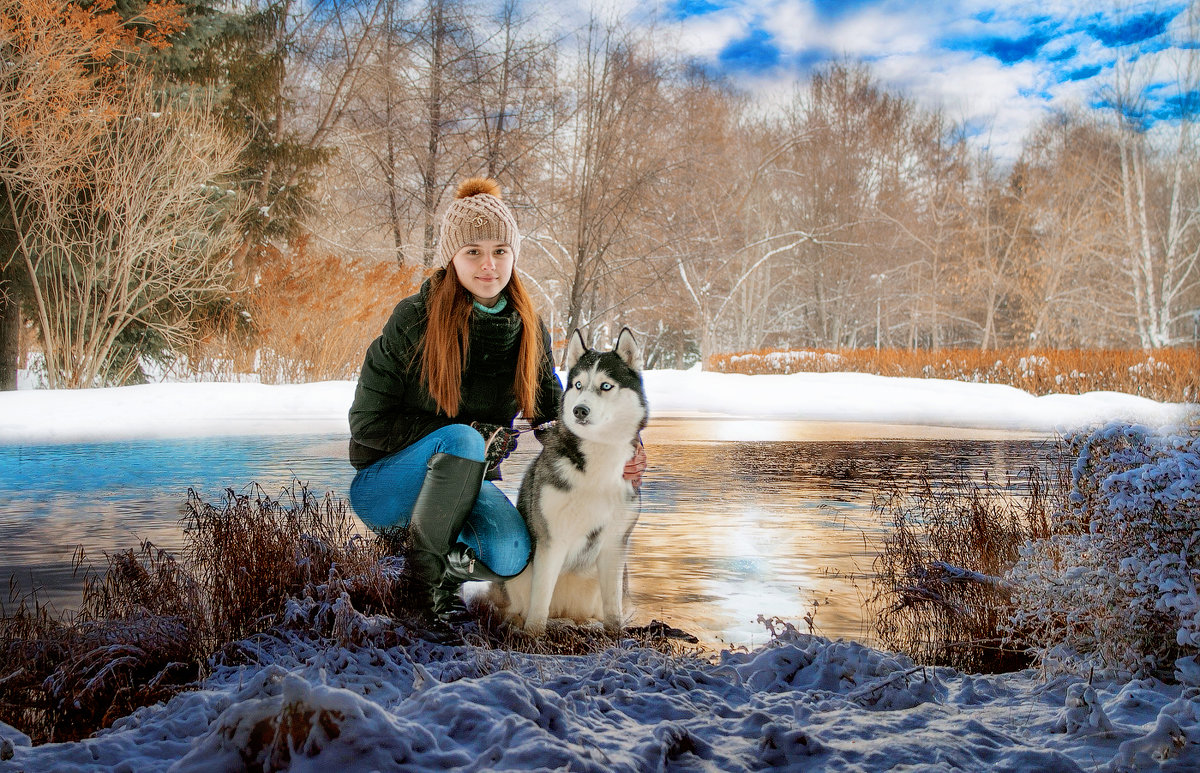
190	409
358	701
797	703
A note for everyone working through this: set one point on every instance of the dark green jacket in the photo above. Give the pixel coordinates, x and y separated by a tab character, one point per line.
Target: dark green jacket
392	408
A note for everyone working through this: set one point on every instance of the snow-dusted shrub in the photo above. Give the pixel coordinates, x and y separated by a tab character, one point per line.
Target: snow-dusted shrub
1115	585
939	595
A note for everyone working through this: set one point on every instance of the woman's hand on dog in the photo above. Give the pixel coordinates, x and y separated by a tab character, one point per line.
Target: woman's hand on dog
636	466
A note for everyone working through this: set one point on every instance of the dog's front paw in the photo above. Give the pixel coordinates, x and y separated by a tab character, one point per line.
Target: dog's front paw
535	628
612	626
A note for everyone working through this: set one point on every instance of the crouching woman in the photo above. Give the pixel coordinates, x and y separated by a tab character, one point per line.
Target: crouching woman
433	411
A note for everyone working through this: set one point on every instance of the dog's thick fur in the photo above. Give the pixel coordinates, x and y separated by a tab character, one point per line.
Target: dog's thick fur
574	499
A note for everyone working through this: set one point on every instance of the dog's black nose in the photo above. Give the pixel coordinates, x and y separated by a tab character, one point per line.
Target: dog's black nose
580	411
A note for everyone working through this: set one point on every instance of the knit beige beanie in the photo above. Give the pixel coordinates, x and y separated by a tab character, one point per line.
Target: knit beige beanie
477	213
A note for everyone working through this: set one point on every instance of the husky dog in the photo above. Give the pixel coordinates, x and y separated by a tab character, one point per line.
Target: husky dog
578	507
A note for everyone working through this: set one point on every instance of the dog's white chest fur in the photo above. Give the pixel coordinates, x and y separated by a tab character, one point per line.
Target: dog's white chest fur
596	506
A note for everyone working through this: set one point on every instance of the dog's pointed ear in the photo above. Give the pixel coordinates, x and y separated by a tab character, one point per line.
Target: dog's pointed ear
575	349
627	349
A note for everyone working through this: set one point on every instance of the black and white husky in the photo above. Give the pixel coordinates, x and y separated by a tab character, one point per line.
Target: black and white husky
578	507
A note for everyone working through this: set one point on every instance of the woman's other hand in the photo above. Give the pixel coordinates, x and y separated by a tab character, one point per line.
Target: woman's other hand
636	466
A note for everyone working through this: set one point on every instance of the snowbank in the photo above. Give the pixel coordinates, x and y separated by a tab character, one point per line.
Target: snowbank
192	409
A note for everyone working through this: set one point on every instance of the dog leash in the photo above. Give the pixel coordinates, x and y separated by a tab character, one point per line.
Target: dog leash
531	428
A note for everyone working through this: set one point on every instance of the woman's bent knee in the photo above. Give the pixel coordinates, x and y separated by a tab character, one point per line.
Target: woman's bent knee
460	440
382	494
509	561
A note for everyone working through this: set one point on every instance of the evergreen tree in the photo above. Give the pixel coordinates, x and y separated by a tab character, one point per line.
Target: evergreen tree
240	59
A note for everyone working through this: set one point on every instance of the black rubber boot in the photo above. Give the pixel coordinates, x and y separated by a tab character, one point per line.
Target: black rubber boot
462	565
446	498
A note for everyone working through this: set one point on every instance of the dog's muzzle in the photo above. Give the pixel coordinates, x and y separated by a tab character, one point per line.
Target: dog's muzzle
581	414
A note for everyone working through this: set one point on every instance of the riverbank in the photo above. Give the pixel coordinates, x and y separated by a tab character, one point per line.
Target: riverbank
206	409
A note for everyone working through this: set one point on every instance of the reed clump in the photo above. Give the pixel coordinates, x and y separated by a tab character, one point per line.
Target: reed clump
941	594
1169	374
251	551
149	623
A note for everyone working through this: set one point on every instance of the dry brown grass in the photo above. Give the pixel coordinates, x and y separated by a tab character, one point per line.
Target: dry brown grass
940	595
1171	374
152	623
252	551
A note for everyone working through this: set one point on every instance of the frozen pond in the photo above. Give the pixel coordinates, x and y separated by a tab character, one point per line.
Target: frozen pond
739	518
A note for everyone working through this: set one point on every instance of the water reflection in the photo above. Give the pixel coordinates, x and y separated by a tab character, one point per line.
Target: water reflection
730	530
768	522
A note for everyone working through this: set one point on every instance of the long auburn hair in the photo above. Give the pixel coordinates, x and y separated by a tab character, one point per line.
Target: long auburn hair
447	339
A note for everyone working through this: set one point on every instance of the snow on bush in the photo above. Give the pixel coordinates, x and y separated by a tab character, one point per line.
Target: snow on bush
1115	586
784	361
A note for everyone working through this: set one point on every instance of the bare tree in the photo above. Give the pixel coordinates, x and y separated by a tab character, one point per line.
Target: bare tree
606	161
992	243
515	102
1065	262
1160	192
867	177
124	232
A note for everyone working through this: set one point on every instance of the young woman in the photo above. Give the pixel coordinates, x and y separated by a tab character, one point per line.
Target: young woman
439	389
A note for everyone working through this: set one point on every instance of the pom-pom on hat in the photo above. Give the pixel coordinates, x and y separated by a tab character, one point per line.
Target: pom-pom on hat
477	212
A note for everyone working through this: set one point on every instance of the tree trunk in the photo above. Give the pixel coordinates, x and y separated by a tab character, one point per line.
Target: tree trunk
431	191
389	118
10	320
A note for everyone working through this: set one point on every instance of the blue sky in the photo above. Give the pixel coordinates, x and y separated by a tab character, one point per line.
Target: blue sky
999	66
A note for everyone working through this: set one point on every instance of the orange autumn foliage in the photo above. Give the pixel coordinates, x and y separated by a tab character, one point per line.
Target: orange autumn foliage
312	317
66	67
108	39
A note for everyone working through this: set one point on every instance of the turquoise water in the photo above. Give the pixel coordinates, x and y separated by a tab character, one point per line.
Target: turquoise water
111	496
728	529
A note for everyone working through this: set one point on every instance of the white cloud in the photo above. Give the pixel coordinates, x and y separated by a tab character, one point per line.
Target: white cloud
875	32
706	36
906	44
794	25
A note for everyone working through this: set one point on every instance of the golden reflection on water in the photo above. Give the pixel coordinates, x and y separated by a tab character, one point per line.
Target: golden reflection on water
738	518
718	544
748	518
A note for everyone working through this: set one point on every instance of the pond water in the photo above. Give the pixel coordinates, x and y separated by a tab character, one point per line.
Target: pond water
738	518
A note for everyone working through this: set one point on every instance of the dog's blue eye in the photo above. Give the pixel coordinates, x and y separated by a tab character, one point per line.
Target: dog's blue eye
579	385
605	386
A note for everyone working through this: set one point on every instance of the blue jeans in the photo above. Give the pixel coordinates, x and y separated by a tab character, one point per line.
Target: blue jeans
383	496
